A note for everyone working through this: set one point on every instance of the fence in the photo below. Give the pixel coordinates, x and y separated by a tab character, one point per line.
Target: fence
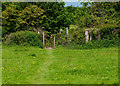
79	37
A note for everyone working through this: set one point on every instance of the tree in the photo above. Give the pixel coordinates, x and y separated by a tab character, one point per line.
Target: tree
97	14
53	11
15	18
9	16
31	16
105	13
49	16
82	17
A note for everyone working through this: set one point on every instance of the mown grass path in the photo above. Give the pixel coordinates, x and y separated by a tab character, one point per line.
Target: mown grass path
42	73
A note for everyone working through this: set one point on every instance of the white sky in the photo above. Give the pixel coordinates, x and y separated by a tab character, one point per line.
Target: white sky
70	0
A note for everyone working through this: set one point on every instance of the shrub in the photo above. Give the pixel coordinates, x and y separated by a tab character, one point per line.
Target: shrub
110	32
78	37
24	38
106	36
104	43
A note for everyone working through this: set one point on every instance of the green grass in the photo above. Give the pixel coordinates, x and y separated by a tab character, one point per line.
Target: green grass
32	65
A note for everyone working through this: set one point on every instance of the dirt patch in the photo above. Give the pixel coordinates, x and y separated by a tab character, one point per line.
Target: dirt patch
49	48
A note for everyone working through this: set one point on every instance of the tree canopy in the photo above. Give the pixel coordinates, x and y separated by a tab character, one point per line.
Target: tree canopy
51	16
22	16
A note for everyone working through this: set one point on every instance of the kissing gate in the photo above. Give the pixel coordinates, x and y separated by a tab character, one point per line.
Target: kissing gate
52	38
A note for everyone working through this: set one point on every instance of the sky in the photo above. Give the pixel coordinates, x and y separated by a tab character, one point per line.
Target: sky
74	3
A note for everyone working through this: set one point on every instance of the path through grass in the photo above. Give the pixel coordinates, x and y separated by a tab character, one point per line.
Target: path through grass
43	72
32	65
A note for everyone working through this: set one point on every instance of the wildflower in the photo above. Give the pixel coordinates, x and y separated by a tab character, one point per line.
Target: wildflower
64	66
103	77
2	68
74	68
33	62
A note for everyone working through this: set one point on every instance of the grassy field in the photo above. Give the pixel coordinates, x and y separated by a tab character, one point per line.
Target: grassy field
32	65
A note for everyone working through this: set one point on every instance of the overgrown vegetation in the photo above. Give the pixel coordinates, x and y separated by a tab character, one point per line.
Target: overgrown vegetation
24	38
104	43
109	37
50	17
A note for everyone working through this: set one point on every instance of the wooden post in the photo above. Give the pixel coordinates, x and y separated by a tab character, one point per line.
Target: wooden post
54	41
90	37
86	35
60	36
43	39
50	39
60	31
67	34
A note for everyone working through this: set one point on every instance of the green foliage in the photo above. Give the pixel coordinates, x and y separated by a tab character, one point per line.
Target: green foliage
54	12
31	16
59	38
15	20
9	16
106	36
106	32
104	13
50	17
104	43
110	32
78	37
97	14
24	38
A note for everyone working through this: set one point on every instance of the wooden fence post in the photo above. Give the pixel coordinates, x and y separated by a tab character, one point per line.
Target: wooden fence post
67	34
90	37
43	39
54	41
60	36
50	40
86	35
60	31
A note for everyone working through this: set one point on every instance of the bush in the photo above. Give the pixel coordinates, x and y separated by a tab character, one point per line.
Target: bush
106	36
78	37
104	43
110	32
24	38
